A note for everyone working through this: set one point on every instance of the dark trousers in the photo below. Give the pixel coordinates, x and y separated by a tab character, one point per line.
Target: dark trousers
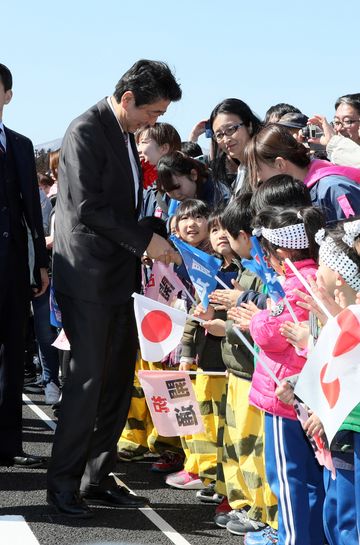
96	394
14	312
46	335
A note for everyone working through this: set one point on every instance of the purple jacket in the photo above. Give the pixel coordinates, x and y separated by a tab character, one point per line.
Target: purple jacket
279	355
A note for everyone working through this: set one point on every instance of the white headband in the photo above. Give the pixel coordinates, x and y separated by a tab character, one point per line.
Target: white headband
337	260
291	236
352	230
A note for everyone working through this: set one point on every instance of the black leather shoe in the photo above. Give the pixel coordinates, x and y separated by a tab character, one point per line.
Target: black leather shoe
27	460
69	504
118	496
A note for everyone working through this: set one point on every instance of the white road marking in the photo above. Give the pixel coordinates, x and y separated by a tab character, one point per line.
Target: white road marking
39	412
158	521
14	530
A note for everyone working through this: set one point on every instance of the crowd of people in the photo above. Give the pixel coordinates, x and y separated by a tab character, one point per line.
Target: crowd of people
96	222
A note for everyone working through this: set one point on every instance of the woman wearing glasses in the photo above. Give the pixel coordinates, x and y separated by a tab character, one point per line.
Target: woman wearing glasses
233	124
333	188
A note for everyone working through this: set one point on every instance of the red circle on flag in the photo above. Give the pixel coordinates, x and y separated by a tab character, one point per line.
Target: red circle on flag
156	326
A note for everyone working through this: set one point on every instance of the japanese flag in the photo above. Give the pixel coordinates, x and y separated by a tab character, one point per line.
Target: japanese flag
330	380
160	327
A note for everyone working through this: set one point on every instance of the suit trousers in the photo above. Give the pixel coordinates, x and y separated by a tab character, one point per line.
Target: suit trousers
96	395
14	313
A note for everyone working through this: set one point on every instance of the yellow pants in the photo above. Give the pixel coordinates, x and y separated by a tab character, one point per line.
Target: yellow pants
139	433
201	449
243	460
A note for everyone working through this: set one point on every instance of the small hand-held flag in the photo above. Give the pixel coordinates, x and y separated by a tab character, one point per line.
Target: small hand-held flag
201	267
160	327
164	284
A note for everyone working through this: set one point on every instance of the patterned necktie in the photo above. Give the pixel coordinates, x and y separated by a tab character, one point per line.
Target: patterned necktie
2	147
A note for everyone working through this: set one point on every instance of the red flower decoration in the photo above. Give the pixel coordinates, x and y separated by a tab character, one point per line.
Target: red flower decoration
149	174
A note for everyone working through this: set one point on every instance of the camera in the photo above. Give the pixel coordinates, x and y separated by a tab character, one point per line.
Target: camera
311	131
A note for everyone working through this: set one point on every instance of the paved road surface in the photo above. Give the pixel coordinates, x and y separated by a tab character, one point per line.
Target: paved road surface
175	516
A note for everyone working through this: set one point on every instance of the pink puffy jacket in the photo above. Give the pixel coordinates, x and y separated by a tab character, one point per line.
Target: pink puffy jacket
279	355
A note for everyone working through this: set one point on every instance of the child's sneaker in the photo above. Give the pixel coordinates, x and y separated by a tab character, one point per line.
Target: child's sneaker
223	518
241	524
267	536
130	455
183	479
208	495
168	462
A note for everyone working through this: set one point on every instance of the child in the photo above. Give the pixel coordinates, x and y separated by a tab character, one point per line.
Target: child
190	225
339	272
152	144
241	471
205	352
293	473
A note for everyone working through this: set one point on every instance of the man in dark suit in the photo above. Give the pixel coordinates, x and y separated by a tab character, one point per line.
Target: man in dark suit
20	213
98	246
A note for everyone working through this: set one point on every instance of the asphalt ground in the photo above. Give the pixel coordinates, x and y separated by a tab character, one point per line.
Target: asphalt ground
174	516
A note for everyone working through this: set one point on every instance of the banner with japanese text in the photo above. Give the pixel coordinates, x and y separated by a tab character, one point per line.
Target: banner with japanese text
164	284
172	403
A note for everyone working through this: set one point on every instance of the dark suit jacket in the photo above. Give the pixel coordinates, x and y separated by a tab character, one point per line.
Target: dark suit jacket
98	241
23	154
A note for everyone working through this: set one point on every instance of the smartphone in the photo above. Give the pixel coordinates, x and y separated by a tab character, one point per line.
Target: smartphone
208	130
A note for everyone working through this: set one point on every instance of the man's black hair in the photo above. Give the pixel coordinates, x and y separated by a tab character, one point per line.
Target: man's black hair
6	77
149	81
279	110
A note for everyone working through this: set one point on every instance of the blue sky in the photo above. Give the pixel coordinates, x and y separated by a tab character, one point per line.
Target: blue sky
67	55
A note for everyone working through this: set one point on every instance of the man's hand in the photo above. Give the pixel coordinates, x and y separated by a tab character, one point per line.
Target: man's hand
327	129
44	283
160	249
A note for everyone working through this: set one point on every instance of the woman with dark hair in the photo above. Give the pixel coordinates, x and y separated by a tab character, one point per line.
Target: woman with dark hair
333	188
347	116
183	177
233	125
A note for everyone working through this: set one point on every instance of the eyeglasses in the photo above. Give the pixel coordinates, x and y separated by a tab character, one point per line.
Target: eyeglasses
229	131
346	123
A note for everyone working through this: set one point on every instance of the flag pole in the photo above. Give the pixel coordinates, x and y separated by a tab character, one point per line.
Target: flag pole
308	288
210	373
256	355
225	286
290	309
